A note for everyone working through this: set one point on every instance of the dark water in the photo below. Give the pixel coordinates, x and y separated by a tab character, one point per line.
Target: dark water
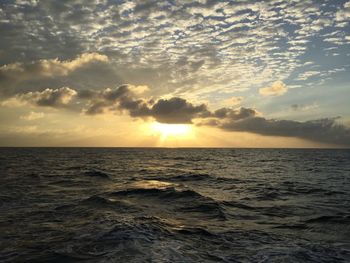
174	205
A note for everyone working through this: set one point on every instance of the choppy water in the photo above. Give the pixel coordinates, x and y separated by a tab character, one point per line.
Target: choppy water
174	205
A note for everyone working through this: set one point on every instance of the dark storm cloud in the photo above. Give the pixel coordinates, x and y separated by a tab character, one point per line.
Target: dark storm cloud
174	110
112	95
87	94
136	108
177	110
234	114
323	130
122	98
97	107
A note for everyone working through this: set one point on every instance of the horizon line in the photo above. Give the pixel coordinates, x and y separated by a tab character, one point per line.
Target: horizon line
181	147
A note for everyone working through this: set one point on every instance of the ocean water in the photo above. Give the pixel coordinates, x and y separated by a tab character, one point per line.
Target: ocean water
174	205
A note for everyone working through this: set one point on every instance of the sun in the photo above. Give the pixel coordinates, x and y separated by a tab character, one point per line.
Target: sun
169	131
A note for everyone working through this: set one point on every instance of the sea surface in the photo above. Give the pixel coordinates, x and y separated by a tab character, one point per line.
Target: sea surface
174	205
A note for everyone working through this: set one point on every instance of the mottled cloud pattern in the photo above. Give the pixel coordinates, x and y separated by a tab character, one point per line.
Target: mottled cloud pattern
183	46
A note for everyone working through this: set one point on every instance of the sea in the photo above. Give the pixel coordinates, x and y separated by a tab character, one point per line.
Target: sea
174	205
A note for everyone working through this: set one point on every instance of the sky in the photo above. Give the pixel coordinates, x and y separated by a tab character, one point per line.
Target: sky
175	73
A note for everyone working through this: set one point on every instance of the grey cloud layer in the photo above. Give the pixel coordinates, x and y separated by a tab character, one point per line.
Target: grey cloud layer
178	110
323	130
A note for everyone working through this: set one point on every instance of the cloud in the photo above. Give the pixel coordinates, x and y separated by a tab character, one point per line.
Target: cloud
148	41
12	75
50	67
278	88
343	15
233	101
13	102
176	110
234	114
125	98
49	97
31	116
308	74
299	107
323	130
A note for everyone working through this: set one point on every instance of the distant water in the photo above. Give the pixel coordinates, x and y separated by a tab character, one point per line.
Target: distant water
174	205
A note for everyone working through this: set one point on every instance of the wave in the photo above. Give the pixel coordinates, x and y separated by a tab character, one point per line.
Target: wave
166	192
98	200
270	195
4	199
195	231
282	192
186	177
178	200
76	167
210	210
296	188
237	205
96	173
202	177
292	226
187	158
122	205
336	219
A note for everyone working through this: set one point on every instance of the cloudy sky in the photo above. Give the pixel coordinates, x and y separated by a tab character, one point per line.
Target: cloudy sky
175	73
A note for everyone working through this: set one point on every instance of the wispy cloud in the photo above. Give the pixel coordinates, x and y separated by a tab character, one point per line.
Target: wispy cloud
31	116
278	88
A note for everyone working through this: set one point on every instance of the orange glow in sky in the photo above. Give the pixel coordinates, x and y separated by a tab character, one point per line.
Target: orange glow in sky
168	133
